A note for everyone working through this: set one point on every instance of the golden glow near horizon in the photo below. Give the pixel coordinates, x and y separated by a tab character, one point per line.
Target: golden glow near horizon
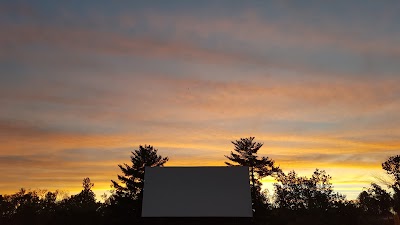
81	89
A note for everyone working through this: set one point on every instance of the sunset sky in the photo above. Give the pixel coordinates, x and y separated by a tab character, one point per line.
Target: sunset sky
84	83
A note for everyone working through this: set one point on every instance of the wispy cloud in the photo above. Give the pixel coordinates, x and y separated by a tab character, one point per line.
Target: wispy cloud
80	88
261	37
252	29
118	44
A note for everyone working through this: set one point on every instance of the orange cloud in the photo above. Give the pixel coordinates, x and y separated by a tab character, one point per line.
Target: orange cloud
309	121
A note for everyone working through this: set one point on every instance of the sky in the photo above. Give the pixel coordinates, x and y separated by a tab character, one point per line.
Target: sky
84	83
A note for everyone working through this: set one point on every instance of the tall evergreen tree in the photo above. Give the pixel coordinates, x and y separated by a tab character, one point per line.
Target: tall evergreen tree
245	154
130	190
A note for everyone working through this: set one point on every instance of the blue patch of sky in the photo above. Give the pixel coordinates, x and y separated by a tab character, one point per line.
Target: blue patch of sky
12	73
311	11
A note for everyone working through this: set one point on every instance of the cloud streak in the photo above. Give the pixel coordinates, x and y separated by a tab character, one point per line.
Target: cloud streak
81	89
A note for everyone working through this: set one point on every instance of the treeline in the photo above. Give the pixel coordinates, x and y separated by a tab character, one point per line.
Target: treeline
296	199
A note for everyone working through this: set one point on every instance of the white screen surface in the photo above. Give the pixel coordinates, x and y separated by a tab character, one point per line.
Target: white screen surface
196	192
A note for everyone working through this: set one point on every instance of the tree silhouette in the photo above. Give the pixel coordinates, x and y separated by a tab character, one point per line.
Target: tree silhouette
302	193
86	198
245	154
80	208
297	200
392	167
29	207
130	191
375	201
24	207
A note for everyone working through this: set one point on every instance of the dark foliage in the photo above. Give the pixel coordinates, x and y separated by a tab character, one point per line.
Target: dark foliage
392	167
245	154
126	201
30	207
302	193
375	201
302	200
298	200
